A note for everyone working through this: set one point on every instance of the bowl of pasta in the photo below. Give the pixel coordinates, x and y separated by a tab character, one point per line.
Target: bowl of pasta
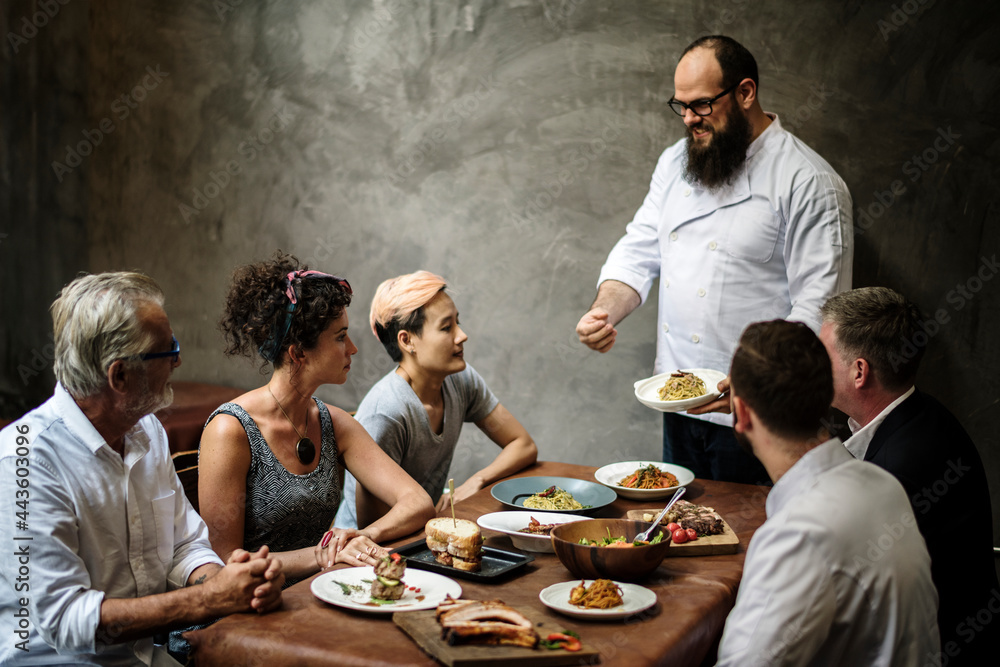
644	480
553	494
679	390
605	549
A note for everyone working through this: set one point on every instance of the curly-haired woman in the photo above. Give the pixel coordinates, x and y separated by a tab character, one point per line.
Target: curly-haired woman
270	461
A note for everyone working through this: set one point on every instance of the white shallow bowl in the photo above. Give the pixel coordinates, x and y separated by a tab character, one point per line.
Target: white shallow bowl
646	390
635	599
509	523
613	473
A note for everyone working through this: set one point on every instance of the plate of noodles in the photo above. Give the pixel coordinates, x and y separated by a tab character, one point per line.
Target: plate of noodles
553	494
679	390
601	599
644	480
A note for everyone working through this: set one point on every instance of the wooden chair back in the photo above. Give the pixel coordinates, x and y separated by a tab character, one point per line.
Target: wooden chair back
186	465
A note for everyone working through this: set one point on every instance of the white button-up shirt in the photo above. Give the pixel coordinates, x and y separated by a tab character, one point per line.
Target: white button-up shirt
776	244
837	575
92	525
861	436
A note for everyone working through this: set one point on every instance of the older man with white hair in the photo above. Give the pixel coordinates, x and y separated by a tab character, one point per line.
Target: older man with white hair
108	550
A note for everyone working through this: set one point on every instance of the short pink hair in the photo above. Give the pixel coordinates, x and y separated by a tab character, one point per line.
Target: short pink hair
398	298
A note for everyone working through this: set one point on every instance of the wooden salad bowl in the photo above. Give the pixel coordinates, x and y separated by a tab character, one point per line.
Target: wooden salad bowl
587	562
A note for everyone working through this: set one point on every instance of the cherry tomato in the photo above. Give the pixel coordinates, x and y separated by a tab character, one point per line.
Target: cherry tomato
679	536
692	535
673	526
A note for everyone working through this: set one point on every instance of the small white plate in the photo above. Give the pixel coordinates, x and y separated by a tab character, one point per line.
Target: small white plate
636	598
433	589
509	523
647	390
613	473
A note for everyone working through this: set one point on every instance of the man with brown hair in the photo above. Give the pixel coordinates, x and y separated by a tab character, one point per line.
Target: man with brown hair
838	573
876	339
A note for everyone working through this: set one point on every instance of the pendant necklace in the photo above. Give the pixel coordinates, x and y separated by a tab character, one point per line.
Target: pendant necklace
305	450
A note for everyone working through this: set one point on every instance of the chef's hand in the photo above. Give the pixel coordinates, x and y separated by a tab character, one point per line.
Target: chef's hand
595	331
721	404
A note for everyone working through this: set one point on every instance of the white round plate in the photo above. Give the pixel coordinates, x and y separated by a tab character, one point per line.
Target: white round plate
646	390
636	598
433	589
613	473
509	523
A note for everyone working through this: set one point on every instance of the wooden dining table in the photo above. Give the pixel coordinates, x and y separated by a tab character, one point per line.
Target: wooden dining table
694	595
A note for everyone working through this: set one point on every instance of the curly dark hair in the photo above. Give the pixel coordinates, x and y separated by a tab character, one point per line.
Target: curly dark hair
257	307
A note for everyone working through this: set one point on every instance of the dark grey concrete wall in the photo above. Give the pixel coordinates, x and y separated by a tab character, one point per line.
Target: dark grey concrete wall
43	215
504	145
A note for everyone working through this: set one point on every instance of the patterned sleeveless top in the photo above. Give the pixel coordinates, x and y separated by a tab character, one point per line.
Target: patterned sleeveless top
286	511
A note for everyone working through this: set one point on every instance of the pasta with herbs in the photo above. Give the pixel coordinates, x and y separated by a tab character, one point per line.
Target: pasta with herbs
602	594
553	498
680	386
649	477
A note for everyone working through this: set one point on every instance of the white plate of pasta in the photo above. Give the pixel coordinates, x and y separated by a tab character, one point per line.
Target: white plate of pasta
648	391
637	480
634	598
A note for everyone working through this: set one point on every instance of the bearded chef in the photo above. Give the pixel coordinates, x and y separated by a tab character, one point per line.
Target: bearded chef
742	222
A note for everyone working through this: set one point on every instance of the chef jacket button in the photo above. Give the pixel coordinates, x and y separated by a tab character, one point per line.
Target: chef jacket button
666	327
701	292
673	236
687	192
666	283
695	338
713	245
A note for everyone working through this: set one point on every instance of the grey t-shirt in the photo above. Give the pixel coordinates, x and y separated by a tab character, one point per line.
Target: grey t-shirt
396	419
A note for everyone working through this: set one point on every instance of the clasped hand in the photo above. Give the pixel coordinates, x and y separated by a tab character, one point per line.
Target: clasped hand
248	581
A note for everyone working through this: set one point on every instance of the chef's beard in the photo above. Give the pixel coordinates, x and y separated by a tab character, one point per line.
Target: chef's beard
716	164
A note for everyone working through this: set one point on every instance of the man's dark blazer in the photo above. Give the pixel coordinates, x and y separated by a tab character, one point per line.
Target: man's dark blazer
925	447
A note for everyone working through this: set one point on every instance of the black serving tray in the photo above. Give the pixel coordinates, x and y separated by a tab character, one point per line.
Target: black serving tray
496	562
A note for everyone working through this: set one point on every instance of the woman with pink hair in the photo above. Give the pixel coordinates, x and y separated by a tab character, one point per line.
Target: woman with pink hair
416	412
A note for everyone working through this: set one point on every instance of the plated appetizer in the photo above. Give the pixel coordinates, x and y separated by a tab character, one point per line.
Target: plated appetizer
388	582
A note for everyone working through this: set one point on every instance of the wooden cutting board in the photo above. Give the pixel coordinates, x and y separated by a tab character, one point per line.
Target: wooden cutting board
711	545
423	628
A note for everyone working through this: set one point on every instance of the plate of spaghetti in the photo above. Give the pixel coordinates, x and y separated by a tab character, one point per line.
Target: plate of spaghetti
679	390
644	480
552	494
597	599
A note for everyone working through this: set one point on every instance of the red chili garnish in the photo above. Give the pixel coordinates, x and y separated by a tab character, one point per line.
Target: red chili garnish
547	492
395	557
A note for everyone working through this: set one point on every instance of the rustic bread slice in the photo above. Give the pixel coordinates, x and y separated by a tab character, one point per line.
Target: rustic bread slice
460	538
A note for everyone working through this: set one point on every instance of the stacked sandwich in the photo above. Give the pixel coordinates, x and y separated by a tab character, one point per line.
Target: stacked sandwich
455	542
388	582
